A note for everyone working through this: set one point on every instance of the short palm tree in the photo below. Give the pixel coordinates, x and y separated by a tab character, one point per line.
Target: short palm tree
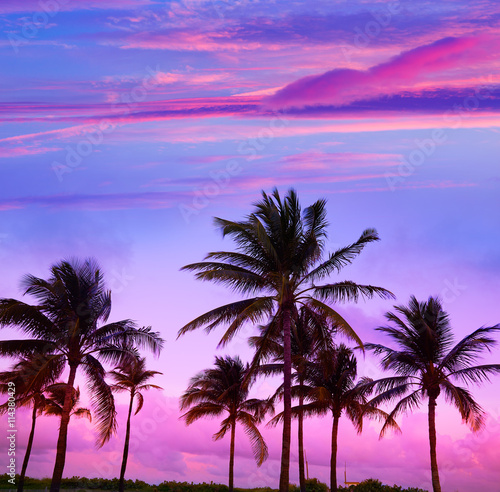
132	377
54	402
66	327
427	364
30	378
330	386
224	389
280	257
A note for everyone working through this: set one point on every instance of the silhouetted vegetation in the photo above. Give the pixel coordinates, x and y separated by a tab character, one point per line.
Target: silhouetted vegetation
82	483
372	485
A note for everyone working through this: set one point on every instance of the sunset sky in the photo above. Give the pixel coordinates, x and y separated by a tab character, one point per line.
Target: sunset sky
127	125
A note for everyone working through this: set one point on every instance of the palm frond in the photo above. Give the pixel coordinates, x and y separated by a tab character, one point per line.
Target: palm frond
25	348
333	317
236	313
343	256
259	446
101	398
140	402
470	411
349	291
254	312
30	319
470	348
225	427
81	413
476	374
201	410
405	405
237	278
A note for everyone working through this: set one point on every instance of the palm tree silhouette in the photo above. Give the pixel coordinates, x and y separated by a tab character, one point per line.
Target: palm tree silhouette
310	333
133	377
30	377
54	402
330	386
222	389
427	364
65	326
280	253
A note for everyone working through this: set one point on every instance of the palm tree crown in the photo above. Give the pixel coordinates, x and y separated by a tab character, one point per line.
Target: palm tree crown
427	364
132	376
54	402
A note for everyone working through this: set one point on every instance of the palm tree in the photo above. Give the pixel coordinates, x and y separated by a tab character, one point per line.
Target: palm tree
330	386
310	333
222	389
54	402
133	377
427	364
30	381
280	256
65	326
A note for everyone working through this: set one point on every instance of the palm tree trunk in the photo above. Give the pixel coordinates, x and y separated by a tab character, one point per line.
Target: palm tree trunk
302	475
432	440
121	484
287	400
333	459
20	484
55	485
231	456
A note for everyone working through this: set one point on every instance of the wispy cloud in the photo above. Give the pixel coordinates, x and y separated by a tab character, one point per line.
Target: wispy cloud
26	6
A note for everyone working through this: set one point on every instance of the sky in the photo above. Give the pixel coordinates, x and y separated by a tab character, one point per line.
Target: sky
127	125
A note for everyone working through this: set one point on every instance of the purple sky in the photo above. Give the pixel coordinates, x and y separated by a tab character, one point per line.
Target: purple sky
126	125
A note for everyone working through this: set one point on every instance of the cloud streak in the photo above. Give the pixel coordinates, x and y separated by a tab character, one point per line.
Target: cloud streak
339	87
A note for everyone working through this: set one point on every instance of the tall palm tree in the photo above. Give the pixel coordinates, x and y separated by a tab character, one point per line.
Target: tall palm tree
330	386
427	364
30	378
224	389
280	256
133	377
66	326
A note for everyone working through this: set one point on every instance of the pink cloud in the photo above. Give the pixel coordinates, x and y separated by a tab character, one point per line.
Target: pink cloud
348	160
22	151
14	6
188	41
341	86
